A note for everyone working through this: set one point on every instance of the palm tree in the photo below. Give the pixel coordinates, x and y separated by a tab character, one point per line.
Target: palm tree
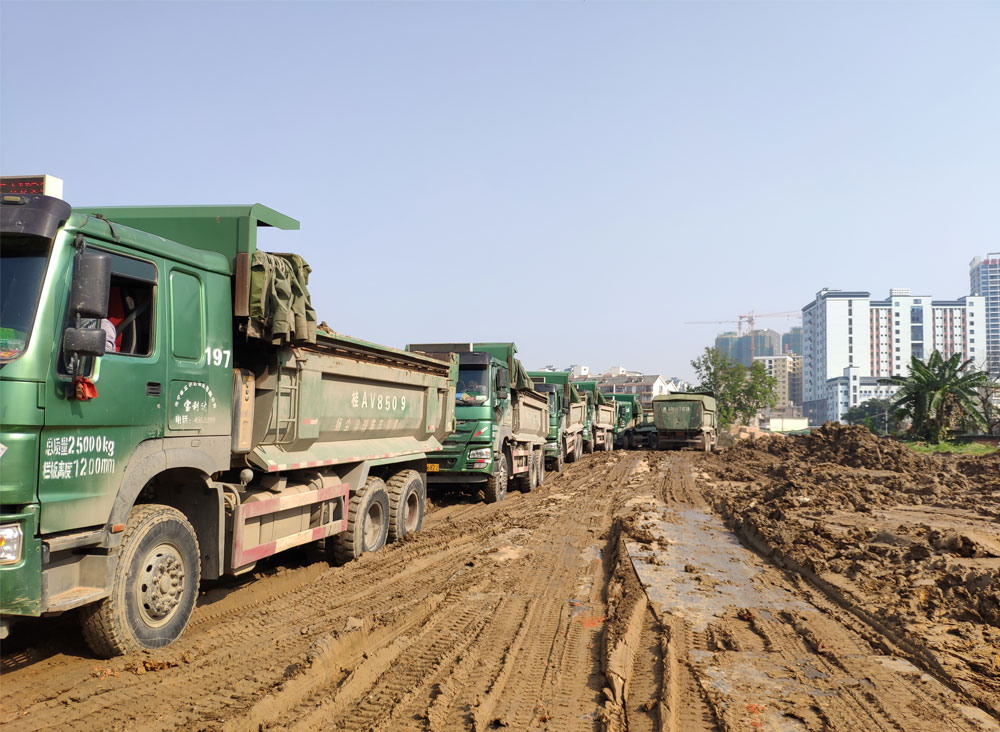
939	395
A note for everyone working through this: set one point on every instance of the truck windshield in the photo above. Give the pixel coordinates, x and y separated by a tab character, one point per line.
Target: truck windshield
22	267
473	386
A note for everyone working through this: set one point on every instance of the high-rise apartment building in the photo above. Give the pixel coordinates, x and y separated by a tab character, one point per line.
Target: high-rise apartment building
876	339
786	370
984	281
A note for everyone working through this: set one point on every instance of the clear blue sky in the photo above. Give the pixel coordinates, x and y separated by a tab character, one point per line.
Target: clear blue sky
581	178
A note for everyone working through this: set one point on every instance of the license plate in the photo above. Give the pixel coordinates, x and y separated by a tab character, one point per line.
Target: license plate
432	467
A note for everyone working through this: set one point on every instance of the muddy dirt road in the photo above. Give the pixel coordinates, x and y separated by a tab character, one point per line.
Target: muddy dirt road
613	597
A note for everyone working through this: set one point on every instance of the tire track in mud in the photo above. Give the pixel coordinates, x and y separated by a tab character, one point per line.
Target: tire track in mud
786	658
258	643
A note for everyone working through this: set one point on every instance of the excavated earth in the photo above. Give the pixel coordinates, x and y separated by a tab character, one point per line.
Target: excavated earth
834	582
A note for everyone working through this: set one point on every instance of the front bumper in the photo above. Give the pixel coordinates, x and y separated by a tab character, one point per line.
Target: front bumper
455	466
21	581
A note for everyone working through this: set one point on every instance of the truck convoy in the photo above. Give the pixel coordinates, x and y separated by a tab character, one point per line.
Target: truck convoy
502	422
170	413
685	420
567	415
600	425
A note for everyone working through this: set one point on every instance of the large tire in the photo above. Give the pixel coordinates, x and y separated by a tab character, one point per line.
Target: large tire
588	447
367	523
560	460
540	466
609	441
654	441
154	587
579	450
496	484
533	470
527	482
407	497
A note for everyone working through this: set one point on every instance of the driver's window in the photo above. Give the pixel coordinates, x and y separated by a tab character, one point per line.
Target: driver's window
129	324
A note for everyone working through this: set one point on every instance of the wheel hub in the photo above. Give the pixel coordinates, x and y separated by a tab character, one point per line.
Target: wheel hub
160	584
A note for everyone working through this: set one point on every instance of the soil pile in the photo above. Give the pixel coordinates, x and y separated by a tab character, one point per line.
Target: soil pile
911	541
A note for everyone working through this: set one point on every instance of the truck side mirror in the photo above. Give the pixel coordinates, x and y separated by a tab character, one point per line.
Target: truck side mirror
84	342
502	384
91	284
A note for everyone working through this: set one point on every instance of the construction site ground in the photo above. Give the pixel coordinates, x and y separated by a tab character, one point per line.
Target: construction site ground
830	582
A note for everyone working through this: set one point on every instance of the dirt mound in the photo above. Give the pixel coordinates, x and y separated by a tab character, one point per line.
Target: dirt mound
912	540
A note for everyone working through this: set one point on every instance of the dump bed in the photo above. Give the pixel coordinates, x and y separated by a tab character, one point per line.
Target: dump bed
345	400
683	412
604	410
530	416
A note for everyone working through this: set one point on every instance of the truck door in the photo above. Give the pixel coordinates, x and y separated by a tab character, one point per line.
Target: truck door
199	352
86	445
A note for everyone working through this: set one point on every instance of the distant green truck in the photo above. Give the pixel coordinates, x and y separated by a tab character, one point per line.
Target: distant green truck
628	411
637	427
600	425
170	412
502	422
685	420
567	416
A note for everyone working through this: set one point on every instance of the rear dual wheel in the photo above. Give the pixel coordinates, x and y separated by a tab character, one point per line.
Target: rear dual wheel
367	523
528	482
407	496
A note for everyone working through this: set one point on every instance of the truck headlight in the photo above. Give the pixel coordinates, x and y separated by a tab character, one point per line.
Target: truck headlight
10	543
483	453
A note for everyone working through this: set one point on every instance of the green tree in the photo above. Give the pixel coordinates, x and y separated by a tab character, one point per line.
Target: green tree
740	392
872	414
940	395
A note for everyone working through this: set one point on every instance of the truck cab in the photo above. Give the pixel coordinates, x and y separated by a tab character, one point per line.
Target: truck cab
500	422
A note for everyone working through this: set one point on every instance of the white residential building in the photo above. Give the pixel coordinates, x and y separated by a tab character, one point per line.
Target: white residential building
852	389
579	372
646	386
847	330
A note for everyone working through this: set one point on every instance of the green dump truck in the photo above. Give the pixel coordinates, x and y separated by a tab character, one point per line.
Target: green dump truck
634	423
170	412
567	415
685	420
599	430
502	421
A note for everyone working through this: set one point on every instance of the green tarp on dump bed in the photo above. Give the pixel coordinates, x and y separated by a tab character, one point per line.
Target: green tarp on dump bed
279	298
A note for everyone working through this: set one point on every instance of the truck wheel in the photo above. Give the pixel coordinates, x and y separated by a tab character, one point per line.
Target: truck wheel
609	443
367	523
654	441
540	466
406	504
154	587
578	453
560	460
570	455
531	482
496	484
588	447
527	482
706	440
